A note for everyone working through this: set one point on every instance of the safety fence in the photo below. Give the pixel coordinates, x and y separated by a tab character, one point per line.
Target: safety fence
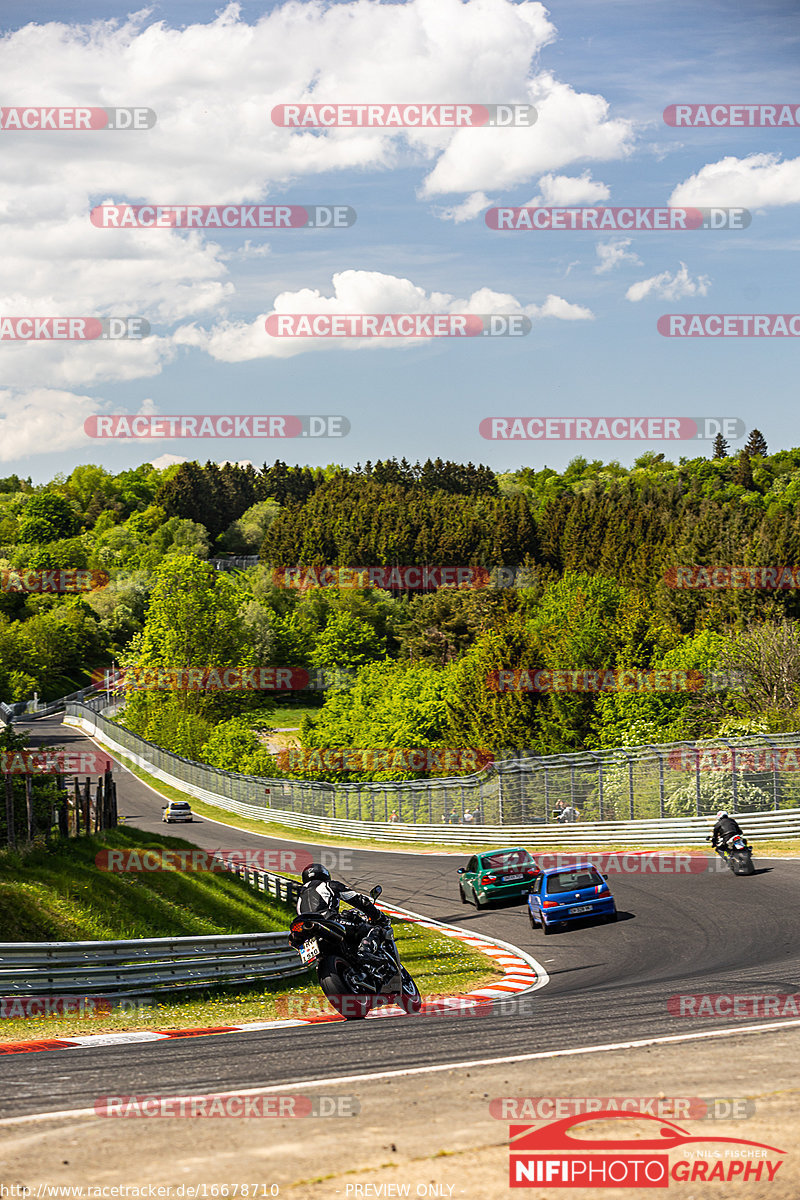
235	562
153	965
31	709
660	796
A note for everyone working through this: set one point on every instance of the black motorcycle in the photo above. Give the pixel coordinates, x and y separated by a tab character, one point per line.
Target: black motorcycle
737	854
353	986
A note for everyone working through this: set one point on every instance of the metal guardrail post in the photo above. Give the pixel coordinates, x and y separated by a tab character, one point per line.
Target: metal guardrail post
775	784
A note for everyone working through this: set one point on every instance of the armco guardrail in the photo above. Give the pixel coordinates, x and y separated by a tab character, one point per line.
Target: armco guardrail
12	712
236	562
256	798
152	965
651	792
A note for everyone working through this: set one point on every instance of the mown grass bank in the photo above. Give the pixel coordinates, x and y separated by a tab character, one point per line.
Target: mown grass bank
58	894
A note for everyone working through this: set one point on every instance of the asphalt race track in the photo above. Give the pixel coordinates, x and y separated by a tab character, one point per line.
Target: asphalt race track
690	933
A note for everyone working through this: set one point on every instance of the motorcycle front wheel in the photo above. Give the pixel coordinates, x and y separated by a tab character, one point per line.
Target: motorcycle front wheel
335	979
409	998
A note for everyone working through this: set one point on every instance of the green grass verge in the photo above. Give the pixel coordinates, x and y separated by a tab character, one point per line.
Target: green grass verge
57	893
440	965
289	716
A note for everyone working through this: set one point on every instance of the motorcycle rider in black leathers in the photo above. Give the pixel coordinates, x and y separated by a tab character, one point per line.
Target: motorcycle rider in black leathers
725	828
321	894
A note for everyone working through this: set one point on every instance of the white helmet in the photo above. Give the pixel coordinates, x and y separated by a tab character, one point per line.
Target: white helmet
720	815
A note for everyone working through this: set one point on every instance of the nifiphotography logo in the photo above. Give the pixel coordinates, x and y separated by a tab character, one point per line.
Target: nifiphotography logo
551	1156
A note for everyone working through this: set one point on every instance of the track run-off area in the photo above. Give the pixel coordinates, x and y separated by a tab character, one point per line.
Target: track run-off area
606	1022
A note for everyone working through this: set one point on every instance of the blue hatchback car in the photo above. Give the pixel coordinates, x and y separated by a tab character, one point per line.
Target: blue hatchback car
561	895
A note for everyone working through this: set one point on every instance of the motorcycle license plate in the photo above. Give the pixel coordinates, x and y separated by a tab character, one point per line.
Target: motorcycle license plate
580	908
309	951
511	878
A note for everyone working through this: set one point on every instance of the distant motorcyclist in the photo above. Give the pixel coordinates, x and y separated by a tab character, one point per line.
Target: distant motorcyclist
724	829
321	894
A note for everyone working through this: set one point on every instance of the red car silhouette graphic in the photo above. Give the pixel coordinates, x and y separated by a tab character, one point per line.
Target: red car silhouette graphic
555	1136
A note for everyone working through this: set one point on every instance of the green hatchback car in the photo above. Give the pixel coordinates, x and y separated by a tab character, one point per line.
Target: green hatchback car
497	875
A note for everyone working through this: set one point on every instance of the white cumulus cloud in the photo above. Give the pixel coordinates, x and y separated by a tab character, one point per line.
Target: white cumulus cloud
359	292
566	190
669	287
42	420
472	207
758	181
613	253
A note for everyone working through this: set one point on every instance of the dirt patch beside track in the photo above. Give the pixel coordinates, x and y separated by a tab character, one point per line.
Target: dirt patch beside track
426	1131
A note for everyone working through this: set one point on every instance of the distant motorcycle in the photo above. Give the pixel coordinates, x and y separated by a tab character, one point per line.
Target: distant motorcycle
737	854
353	986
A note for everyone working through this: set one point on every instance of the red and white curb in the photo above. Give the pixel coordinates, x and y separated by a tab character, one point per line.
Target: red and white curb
522	974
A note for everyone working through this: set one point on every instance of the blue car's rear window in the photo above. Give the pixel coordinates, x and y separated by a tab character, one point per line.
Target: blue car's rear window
573	881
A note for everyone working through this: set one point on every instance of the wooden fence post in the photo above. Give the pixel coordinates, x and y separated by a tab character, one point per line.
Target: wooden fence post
63	811
29	806
9	788
77	807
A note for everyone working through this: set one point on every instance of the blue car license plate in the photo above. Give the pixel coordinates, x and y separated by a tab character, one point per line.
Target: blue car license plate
580	908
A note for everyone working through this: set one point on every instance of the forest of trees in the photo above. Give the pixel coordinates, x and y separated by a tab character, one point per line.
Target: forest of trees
596	547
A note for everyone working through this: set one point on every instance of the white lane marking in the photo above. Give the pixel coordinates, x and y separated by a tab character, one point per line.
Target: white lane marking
114	1039
452	1066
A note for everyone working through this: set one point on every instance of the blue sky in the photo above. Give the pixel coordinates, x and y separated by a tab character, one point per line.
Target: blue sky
600	75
